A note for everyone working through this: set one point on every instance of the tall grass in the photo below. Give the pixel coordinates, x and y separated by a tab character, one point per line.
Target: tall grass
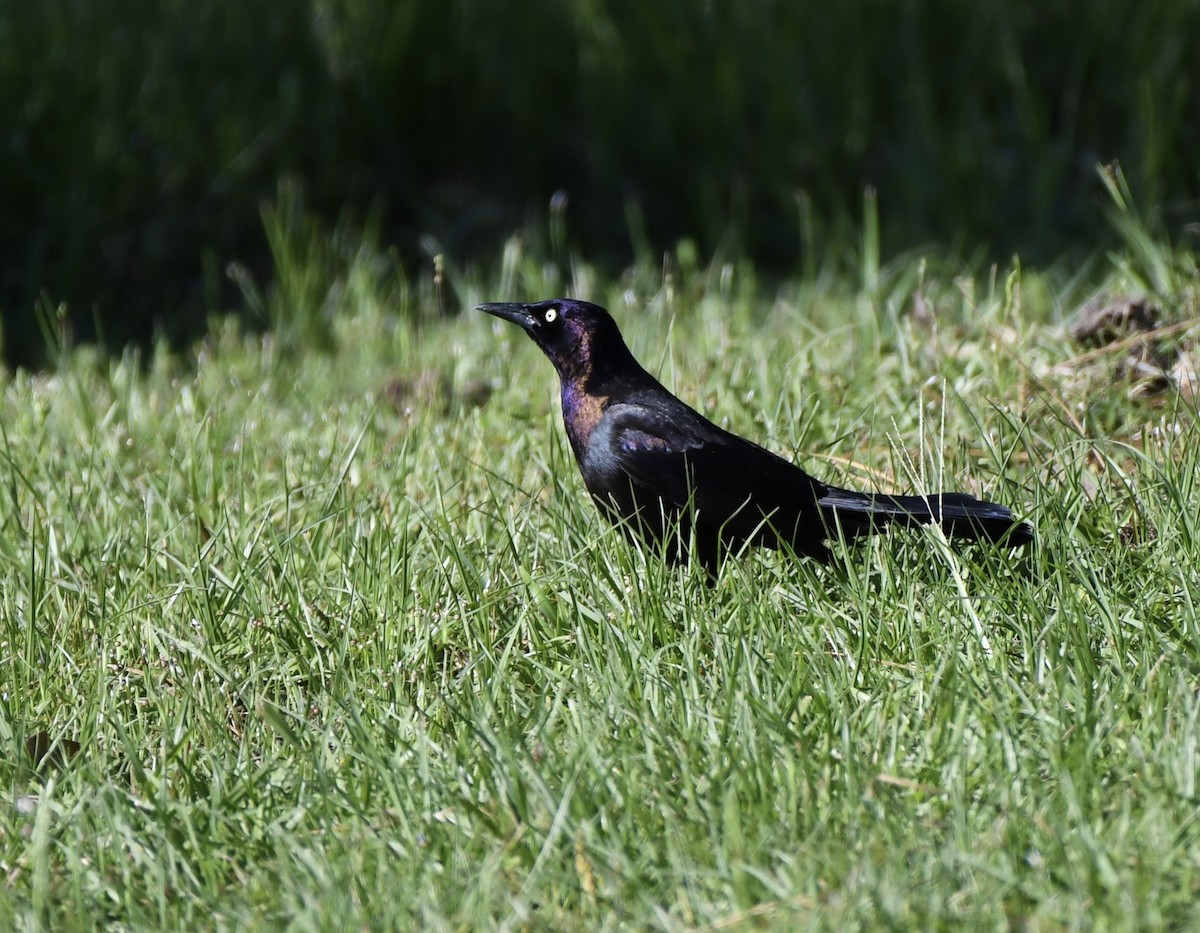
143	137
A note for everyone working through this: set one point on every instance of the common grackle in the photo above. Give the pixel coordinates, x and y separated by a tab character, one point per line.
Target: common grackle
661	470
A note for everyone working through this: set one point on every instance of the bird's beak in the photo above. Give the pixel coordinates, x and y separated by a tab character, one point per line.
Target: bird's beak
510	311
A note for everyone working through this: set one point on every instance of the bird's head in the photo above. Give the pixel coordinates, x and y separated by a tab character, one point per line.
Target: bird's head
576	335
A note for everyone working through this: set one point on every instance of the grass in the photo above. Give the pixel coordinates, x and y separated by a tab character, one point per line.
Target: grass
342	644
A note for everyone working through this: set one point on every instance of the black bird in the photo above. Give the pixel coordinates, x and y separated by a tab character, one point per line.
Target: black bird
660	469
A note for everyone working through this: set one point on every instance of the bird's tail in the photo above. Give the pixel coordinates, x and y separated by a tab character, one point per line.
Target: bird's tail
960	515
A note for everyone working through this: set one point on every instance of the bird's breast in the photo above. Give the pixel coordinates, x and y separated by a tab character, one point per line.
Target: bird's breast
582	411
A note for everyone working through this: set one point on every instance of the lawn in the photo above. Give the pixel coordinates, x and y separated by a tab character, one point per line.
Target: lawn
332	638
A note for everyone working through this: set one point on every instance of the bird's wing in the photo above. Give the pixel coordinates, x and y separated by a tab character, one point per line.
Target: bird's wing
685	460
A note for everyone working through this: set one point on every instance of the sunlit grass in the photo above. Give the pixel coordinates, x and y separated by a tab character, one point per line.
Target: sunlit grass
344	651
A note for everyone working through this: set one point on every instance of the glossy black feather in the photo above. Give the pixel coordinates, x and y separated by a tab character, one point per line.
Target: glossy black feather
664	472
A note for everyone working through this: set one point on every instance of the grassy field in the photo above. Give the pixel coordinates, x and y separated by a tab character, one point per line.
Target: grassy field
333	639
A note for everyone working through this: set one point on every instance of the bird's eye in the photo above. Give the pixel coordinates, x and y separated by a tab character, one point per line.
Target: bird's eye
551	315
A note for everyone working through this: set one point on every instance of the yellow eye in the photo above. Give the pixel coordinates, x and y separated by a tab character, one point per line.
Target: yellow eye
551	315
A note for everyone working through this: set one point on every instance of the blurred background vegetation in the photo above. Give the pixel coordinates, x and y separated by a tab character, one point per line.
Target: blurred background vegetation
141	141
